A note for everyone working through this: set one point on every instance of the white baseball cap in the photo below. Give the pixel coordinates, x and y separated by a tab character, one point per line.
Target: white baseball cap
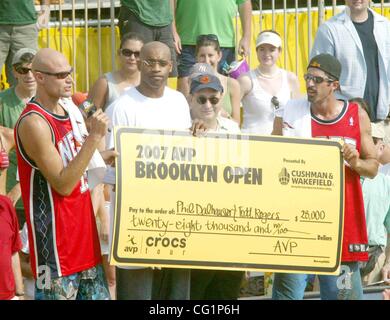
269	38
18	55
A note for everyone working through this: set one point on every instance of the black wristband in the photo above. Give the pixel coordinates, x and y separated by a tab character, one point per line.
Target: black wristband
19	294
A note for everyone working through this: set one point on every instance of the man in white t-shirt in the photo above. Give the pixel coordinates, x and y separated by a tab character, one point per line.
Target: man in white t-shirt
151	105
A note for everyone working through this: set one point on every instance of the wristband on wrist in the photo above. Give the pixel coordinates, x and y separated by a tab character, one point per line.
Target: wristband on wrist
19	294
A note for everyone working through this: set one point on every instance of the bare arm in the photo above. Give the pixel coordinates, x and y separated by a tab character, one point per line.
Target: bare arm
99	92
44	14
294	85
35	136
235	98
365	164
17	273
7	138
245	85
176	37
245	10
15	193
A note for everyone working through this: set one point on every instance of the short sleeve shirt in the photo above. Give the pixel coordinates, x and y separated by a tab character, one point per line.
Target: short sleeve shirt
17	12
195	17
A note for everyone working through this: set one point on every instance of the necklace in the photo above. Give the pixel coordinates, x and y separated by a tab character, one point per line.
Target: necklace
267	76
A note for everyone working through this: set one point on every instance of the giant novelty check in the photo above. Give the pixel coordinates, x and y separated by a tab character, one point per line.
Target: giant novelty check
236	202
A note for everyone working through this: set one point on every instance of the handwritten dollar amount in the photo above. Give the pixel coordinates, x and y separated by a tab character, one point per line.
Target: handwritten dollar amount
314	215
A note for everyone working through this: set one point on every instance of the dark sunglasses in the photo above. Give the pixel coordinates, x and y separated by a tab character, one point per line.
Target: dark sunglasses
23	70
203	37
316	79
203	100
275	102
128	53
58	75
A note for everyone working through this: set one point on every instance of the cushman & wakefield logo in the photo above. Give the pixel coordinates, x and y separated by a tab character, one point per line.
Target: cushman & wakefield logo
306	179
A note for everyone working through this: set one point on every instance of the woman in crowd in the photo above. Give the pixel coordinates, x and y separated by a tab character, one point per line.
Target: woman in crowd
267	88
208	51
111	85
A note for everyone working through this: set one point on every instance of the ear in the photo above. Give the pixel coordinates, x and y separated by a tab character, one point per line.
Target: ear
170	66
15	74
220	55
336	85
38	76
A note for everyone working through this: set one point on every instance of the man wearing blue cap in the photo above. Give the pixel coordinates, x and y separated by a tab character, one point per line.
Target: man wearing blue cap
205	104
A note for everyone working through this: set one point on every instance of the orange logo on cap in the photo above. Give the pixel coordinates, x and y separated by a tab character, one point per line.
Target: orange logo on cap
315	64
204	80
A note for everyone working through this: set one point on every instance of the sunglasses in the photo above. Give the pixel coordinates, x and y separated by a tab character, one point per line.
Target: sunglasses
23	70
203	37
316	79
203	100
151	63
128	53
58	75
275	102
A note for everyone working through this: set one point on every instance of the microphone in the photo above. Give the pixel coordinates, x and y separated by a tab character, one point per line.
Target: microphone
87	108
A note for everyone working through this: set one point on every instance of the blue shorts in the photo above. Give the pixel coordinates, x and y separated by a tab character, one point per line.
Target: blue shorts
89	284
186	59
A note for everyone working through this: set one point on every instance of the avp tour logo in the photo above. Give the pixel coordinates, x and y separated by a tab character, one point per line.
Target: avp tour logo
284	176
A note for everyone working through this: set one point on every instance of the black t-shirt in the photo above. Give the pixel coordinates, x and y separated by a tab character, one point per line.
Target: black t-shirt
365	31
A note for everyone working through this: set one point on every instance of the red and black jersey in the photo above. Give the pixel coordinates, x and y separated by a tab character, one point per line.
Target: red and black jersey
346	126
62	229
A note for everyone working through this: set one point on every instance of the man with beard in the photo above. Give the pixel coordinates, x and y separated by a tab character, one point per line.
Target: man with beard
321	115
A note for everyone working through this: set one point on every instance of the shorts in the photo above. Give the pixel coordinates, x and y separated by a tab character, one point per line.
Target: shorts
187	59
371	271
89	284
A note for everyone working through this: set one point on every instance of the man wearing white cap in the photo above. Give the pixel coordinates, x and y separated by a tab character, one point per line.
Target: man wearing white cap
376	195
267	88
12	103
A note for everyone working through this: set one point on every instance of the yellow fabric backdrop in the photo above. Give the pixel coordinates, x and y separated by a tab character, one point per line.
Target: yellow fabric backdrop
93	73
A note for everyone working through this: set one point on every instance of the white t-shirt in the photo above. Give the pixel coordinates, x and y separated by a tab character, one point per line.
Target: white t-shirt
133	109
385	169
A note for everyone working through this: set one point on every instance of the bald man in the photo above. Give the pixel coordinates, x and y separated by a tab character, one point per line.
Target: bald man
151	105
52	160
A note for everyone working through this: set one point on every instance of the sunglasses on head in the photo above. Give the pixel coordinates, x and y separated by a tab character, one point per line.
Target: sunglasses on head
316	79
128	53
58	75
23	70
203	100
203	37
